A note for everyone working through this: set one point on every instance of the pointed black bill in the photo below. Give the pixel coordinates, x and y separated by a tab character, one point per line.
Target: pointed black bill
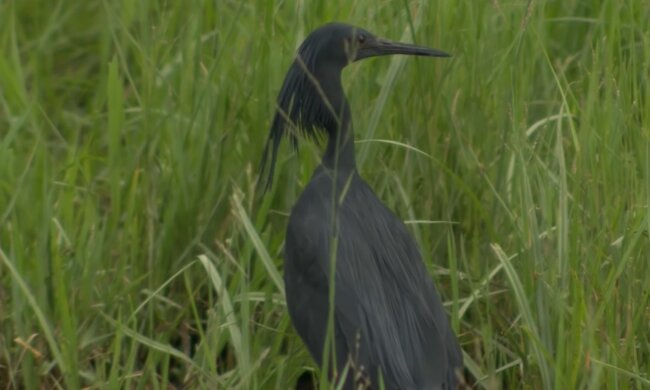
384	47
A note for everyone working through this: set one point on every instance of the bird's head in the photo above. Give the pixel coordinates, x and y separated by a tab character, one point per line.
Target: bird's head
311	100
336	45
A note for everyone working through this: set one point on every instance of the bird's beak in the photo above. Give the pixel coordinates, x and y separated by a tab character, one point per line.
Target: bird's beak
384	47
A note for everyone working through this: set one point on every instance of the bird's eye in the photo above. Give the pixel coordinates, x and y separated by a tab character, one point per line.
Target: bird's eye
361	38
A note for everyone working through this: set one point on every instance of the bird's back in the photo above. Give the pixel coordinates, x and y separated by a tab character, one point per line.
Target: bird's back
388	315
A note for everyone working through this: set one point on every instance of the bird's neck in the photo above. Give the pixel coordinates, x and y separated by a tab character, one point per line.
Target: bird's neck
340	147
339	154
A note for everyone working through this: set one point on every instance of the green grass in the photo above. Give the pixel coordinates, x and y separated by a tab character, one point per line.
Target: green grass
136	253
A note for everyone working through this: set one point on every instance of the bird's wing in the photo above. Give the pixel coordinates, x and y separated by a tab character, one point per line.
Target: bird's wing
386	304
388	314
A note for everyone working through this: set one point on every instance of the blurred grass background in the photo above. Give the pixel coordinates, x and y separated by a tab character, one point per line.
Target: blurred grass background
134	249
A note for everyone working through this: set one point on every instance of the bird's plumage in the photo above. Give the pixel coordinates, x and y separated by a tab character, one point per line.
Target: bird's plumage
389	321
388	313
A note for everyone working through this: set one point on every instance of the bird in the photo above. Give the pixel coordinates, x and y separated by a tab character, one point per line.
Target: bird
352	269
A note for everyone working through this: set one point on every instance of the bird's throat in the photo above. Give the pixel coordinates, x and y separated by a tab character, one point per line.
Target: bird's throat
339	154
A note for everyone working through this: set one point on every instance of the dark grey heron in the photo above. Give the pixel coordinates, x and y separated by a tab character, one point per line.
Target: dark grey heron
387	322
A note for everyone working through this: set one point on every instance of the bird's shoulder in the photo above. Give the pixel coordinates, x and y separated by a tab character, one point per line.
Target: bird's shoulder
366	221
